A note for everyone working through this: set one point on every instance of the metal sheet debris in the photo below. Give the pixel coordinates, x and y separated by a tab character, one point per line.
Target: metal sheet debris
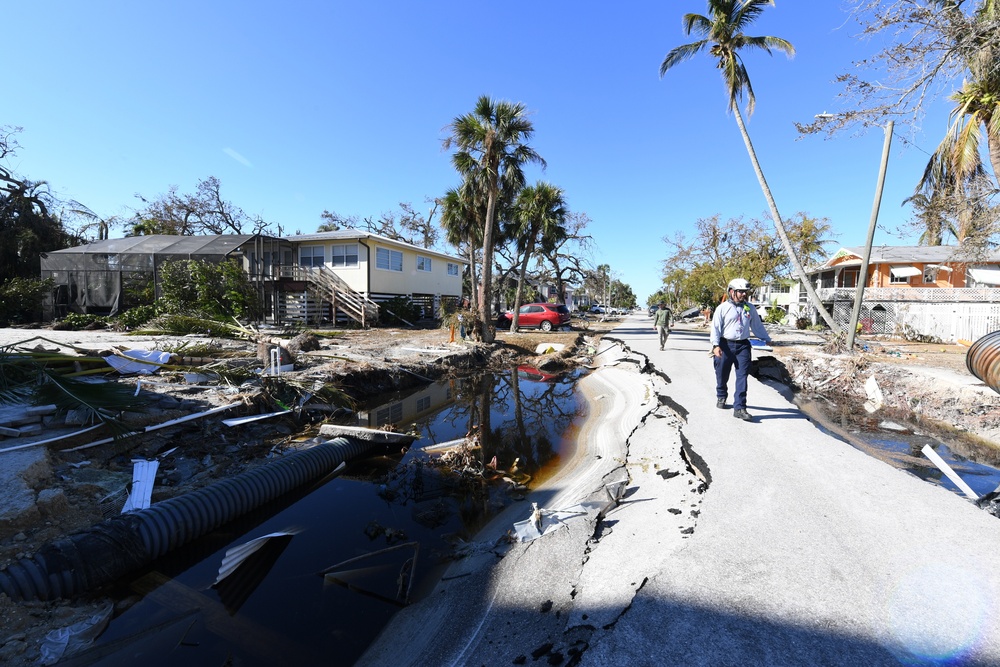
132	362
235	556
143	477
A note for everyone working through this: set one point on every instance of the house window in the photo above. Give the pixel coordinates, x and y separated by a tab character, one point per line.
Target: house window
781	289
982	276
423	263
423	404
344	255
311	255
389	415
900	274
452	269
388	260
930	273
849	278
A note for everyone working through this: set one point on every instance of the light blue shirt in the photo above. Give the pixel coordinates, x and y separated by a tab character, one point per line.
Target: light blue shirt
737	322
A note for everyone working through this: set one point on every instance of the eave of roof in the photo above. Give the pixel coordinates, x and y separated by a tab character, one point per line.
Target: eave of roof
351	234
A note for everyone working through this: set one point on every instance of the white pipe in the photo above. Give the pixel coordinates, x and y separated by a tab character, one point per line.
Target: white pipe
946	469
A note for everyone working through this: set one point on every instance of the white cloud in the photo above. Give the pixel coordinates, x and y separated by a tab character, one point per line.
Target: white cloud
236	156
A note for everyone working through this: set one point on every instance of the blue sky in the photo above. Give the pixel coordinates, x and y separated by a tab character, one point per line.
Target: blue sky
305	106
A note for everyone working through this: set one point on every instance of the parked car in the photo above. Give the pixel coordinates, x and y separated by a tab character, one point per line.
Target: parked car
652	310
545	316
598	309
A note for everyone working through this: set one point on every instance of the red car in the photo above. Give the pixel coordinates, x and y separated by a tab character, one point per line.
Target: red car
545	316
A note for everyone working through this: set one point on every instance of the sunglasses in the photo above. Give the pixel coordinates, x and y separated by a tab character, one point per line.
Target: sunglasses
741	291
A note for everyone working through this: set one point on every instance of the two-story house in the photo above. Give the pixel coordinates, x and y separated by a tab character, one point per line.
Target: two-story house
940	293
308	277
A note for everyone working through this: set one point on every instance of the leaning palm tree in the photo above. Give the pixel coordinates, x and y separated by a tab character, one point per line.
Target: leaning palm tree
492	149
956	172
976	116
723	37
539	218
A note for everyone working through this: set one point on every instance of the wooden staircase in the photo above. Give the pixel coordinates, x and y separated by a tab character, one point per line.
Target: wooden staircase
327	286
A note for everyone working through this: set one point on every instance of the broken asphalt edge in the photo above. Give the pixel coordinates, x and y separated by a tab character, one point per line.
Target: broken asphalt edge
557	593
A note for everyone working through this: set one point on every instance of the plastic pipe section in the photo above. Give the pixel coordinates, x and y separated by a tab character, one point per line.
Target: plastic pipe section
983	360
112	549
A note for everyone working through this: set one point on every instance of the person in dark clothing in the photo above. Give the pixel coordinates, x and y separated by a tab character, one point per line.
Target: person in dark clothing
734	320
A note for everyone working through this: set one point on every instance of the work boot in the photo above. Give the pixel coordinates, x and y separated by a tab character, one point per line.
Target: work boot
743	414
721	404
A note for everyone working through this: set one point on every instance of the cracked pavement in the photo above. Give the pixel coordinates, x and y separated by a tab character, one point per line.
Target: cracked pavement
764	543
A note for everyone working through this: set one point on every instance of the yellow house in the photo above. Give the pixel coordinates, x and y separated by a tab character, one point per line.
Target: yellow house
379	268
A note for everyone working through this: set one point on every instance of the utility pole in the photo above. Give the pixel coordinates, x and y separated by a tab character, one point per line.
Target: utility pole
863	273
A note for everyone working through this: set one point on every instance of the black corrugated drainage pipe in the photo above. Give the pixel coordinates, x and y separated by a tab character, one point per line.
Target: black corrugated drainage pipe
112	549
983	360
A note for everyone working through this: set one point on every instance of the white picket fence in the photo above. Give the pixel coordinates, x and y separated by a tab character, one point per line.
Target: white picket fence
947	322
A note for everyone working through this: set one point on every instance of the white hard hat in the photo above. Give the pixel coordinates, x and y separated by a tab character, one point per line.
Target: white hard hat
739	283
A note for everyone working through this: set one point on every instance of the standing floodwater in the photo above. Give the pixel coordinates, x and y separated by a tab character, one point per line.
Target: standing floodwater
900	444
393	522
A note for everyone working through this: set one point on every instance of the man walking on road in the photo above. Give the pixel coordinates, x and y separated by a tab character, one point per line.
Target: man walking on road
661	322
734	321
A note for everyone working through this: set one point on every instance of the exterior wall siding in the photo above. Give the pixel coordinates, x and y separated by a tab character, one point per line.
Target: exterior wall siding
410	280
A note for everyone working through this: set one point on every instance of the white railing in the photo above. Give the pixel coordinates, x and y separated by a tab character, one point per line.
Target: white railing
327	285
918	294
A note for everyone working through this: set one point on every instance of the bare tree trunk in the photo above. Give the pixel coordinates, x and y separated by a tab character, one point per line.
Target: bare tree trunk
474	287
520	283
488	242
780	226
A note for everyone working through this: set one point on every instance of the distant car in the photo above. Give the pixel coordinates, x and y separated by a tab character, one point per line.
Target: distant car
598	309
545	316
652	310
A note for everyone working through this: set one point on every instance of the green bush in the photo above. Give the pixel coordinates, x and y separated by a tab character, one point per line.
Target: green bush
213	290
78	321
775	316
133	318
21	299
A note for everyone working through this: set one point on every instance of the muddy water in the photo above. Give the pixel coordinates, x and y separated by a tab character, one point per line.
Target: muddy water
278	609
899	444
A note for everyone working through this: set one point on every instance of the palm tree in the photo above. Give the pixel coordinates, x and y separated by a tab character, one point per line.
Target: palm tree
492	149
956	172
539	218
462	214
722	34
931	216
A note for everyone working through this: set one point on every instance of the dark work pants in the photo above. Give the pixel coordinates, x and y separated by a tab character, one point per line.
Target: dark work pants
734	353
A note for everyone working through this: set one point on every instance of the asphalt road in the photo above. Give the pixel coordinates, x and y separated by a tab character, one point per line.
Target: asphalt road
799	551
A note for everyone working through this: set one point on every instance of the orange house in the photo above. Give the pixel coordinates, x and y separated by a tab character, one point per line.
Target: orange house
910	267
931	293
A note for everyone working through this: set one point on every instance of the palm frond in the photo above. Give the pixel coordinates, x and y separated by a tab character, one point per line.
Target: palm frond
682	53
100	401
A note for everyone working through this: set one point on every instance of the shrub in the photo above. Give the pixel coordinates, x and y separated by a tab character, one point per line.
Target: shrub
213	290
78	321
21	299
134	318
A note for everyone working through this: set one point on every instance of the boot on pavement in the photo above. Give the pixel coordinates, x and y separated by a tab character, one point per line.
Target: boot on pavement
743	414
